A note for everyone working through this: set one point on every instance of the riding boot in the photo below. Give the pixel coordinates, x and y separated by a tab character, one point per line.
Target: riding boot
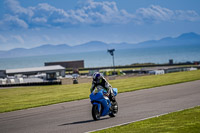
112	98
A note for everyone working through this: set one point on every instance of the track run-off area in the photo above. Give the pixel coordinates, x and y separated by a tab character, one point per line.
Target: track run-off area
75	117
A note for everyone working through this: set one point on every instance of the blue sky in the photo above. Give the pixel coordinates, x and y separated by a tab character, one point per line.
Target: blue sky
31	23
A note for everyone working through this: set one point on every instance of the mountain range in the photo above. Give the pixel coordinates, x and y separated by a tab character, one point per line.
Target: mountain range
191	38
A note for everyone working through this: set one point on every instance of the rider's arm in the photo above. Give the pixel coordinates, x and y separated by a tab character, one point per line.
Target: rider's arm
107	85
92	87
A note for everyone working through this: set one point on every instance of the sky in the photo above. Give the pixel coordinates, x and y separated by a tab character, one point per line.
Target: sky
31	23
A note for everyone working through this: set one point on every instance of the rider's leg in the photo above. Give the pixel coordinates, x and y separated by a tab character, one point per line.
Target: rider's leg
111	96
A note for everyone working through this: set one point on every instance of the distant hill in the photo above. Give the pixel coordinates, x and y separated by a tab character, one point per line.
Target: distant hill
184	39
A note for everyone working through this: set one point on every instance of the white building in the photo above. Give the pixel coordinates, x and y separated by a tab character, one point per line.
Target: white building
51	72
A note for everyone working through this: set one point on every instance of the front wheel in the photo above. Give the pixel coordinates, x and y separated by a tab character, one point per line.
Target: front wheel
114	109
95	112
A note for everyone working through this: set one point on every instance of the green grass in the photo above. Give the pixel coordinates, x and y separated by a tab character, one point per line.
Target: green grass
186	121
143	82
27	97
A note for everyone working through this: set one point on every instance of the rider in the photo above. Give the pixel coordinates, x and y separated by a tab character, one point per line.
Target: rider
98	79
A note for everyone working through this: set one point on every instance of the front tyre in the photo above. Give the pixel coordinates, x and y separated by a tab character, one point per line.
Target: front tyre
114	109
95	112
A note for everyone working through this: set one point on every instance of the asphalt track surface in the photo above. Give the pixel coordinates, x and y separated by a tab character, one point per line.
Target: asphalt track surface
75	117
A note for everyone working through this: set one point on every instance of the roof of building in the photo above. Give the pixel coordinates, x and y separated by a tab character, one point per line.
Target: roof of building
35	69
66	61
67	64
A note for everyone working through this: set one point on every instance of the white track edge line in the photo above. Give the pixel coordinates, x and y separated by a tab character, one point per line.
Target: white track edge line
126	123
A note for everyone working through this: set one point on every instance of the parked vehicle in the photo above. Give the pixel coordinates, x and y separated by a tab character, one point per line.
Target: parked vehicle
101	104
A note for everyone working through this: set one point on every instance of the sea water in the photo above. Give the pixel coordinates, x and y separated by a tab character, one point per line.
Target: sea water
103	58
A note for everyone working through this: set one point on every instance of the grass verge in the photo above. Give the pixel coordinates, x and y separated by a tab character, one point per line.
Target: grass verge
27	97
186	121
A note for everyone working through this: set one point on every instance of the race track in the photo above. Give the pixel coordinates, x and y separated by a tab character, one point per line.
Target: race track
75	117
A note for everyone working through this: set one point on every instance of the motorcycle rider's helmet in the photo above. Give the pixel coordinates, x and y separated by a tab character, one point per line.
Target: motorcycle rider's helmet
97	78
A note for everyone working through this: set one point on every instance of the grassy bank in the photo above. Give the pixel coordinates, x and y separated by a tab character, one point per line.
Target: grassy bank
27	97
186	121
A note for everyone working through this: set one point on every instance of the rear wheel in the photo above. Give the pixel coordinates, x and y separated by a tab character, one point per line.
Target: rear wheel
95	112
114	109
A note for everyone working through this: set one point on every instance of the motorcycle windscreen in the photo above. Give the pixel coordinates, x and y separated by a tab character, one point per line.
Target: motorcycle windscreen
115	91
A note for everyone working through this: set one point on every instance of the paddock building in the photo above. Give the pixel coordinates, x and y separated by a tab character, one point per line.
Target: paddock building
50	71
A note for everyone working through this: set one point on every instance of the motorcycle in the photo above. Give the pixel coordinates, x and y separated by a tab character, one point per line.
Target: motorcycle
101	104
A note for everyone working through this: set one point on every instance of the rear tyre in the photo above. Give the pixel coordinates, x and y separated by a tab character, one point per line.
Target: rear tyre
95	112
114	109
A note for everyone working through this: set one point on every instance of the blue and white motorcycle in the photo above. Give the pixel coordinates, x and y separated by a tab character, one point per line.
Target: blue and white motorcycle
101	104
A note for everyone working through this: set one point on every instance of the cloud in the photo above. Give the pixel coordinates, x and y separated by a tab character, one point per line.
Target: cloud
88	12
16	8
189	15
3	39
11	39
39	20
18	38
45	15
103	12
14	21
46	38
156	13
